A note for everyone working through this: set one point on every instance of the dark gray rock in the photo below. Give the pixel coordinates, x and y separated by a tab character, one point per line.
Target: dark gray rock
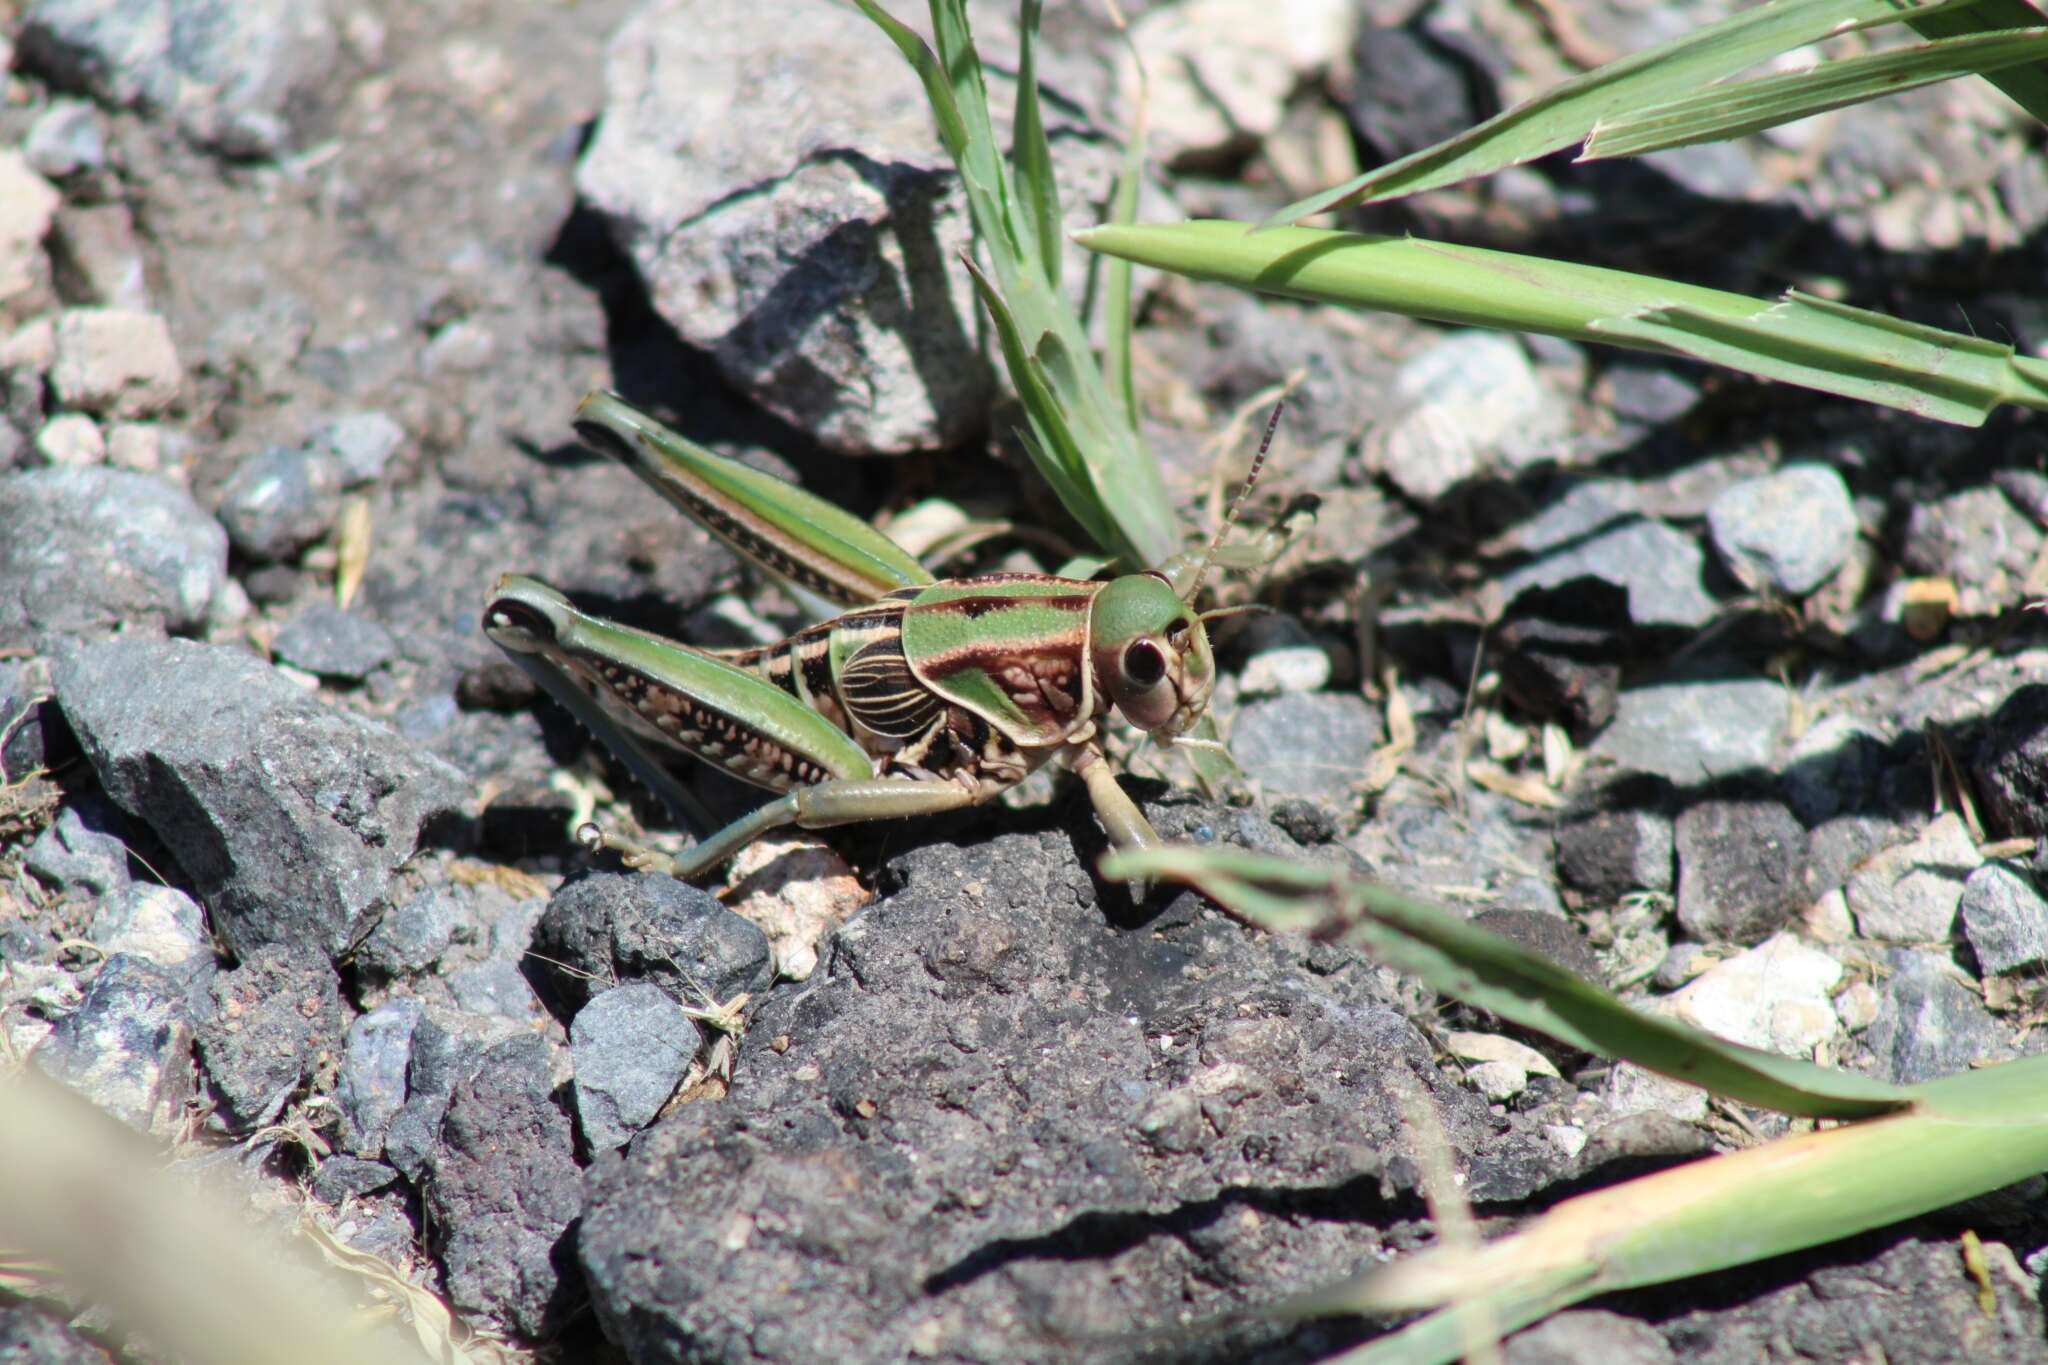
1548	934
371	1086
344	1177
280	500
2005	917
84	549
288	817
503	1188
1834	848
1658	565
631	1047
615	927
1694	733
1789	532
264	1027
1893	1296
1741	870
361	443
232	73
987	1096
1560	672
1611	854
333	643
411	937
2010	763
1310	744
77	853
1838	765
128	1045
1929	1022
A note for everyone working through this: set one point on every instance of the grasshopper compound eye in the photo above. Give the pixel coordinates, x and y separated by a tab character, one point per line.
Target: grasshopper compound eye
1144	664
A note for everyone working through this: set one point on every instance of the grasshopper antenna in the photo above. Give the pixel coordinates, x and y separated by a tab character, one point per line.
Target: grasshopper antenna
1251	481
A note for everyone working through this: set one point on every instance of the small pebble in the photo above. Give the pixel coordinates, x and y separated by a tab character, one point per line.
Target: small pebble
1790	531
115	361
71	438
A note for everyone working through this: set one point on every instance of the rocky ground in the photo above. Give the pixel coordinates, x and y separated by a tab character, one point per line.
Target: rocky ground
1724	694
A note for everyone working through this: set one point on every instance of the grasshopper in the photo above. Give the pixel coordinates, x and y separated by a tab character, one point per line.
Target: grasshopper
926	695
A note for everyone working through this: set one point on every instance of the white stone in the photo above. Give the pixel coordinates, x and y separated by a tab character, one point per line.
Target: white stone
136	445
157	922
1498	1081
28	204
1632	1090
1291	668
1221	71
115	361
1908	893
32	348
1776	996
71	438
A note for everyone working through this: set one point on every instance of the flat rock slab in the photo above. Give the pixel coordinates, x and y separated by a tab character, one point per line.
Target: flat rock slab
288	816
976	1128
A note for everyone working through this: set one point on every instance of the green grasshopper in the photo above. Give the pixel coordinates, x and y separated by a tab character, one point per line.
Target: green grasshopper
925	696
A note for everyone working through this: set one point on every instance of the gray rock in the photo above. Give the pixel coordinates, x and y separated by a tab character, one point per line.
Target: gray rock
232	73
371	1086
288	817
1978	540
1583	509
1929	1023
28	203
65	139
1835	847
263	1026
1611	854
1694	733
361	443
1741	870
333	643
71	439
1557	671
631	1046
158	923
1468	406
1283	657
503	1188
76	853
1659	566
1791	531
280	500
496	989
1312	744
84	550
616	927
411	937
2005	917
445	1049
2009	766
983	1067
128	1045
39	1335
1909	893
815	258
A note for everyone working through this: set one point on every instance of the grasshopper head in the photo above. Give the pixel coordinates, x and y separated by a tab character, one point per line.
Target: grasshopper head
1152	655
525	615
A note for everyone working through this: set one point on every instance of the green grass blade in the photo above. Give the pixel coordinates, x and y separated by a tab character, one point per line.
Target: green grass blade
1727	111
1968	1135
938	87
2026	86
1801	340
1037	192
1484	969
1567	113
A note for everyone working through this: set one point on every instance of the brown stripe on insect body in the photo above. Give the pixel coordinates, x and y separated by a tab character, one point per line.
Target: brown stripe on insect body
706	731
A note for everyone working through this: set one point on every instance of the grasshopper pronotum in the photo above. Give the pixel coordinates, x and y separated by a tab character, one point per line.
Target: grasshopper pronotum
926	696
